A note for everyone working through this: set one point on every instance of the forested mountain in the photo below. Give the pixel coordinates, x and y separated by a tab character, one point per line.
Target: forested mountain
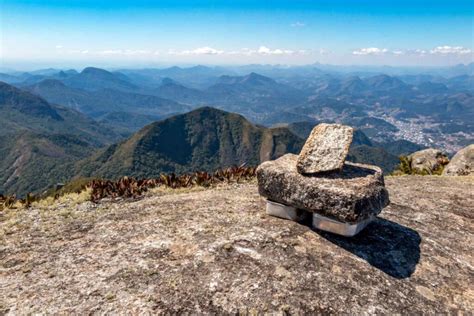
54	118
204	139
209	139
38	140
93	79
108	102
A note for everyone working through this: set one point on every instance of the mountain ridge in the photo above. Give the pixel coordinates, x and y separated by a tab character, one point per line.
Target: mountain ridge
203	139
39	140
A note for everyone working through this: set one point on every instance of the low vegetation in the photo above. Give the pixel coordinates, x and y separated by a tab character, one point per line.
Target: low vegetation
96	189
130	187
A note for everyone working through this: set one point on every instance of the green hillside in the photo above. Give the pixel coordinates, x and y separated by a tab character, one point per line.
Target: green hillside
40	142
33	162
204	139
208	139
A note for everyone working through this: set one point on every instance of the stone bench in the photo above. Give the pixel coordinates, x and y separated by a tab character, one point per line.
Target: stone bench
354	195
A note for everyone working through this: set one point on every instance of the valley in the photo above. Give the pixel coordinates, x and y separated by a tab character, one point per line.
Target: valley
247	157
59	125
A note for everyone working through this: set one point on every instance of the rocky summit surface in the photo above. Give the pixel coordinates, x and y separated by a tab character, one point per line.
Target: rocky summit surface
462	163
325	149
215	251
352	195
428	160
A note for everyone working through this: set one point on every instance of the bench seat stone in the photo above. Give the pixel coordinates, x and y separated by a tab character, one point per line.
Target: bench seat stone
354	194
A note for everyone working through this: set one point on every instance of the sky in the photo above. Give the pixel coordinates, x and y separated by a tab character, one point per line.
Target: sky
119	33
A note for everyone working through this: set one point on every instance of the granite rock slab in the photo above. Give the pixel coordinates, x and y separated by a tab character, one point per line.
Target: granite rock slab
352	195
462	164
428	160
212	251
325	149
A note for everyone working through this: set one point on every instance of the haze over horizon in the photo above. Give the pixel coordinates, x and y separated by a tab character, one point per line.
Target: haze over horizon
142	33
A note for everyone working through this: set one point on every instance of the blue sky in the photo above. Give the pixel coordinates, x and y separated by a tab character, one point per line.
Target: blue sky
147	33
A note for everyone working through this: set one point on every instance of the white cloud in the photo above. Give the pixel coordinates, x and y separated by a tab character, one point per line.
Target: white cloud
414	52
370	51
263	50
59	46
444	50
439	50
242	51
137	52
78	51
323	51
111	52
126	52
198	51
260	51
418	51
297	24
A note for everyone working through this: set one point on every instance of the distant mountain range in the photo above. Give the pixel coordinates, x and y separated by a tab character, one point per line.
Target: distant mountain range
173	90
255	92
56	124
43	144
107	101
23	111
93	79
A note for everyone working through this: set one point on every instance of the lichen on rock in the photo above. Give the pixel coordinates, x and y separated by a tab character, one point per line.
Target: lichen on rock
352	195
462	164
325	149
428	161
214	251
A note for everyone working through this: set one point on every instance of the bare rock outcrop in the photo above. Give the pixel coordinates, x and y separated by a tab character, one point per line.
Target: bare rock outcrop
340	197
462	164
214	251
325	149
428	160
352	195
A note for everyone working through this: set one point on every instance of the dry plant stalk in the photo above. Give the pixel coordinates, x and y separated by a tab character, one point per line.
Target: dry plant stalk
128	187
